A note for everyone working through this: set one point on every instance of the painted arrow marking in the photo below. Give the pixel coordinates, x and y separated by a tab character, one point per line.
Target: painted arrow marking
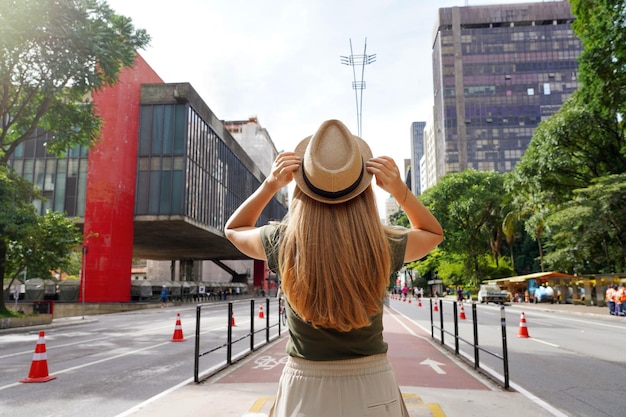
435	365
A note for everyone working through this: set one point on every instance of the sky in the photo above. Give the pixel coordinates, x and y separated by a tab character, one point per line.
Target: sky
279	60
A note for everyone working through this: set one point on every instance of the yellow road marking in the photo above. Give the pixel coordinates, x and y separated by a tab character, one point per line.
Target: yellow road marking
412	400
260	403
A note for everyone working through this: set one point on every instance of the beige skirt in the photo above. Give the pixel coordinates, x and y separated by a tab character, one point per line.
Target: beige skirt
364	387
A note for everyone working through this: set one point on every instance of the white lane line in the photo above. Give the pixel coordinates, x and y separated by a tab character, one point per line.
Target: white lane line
429	340
63	371
156	397
532	397
544	342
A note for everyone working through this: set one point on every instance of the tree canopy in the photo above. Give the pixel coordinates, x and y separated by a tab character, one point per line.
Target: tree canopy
468	206
53	55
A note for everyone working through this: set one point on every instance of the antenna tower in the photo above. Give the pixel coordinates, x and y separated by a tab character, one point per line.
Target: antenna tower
358	86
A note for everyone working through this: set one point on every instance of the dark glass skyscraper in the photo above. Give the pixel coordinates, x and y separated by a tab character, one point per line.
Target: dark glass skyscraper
417	151
498	71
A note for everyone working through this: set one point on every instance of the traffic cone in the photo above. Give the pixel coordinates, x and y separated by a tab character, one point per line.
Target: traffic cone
39	366
178	331
436	308
419	302
232	319
261	314
523	330
462	313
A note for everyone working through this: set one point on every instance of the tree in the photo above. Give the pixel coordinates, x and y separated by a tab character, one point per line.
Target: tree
45	246
468	206
17	214
573	164
589	233
600	24
53	55
567	151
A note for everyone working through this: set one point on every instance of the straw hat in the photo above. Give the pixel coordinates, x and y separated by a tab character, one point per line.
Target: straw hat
333	164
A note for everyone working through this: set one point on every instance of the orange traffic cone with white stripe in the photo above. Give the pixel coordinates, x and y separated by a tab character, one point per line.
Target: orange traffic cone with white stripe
462	313
39	366
261	314
232	319
178	331
419	302
436	308
523	329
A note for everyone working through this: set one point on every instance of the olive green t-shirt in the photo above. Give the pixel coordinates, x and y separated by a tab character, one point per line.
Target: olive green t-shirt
323	344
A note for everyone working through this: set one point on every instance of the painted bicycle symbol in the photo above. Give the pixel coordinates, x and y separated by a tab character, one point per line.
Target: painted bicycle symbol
269	362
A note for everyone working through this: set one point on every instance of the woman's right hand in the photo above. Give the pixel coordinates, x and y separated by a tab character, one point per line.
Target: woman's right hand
282	169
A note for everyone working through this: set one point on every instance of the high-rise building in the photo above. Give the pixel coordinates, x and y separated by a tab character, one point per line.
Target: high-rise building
417	151
498	71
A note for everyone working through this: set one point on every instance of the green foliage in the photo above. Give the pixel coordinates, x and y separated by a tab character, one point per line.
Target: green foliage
16	208
399	218
567	151
468	206
489	269
568	186
451	272
17	214
53	55
589	233
427	267
600	26
44	246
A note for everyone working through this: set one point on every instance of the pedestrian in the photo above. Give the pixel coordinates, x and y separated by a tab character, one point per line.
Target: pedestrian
332	239
459	294
622	298
164	294
610	299
617	300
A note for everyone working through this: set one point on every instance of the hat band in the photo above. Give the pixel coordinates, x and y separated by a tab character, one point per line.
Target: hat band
333	194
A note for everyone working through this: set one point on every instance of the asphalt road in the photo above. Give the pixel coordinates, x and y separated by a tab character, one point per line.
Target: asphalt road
110	363
576	363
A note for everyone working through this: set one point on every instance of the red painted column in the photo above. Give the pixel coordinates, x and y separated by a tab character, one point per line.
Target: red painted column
260	274
111	182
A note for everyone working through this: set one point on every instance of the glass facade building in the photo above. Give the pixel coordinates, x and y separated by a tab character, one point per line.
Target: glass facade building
159	184
62	181
417	152
187	166
498	71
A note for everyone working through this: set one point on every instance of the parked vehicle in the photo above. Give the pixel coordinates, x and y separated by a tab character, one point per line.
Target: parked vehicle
543	294
492	293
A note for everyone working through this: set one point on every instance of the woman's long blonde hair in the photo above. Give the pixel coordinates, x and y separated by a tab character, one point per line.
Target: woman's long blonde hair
334	261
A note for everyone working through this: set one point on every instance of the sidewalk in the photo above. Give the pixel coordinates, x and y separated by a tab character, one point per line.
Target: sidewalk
432	381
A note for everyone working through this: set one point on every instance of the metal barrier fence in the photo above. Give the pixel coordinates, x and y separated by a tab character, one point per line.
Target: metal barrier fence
228	346
477	348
